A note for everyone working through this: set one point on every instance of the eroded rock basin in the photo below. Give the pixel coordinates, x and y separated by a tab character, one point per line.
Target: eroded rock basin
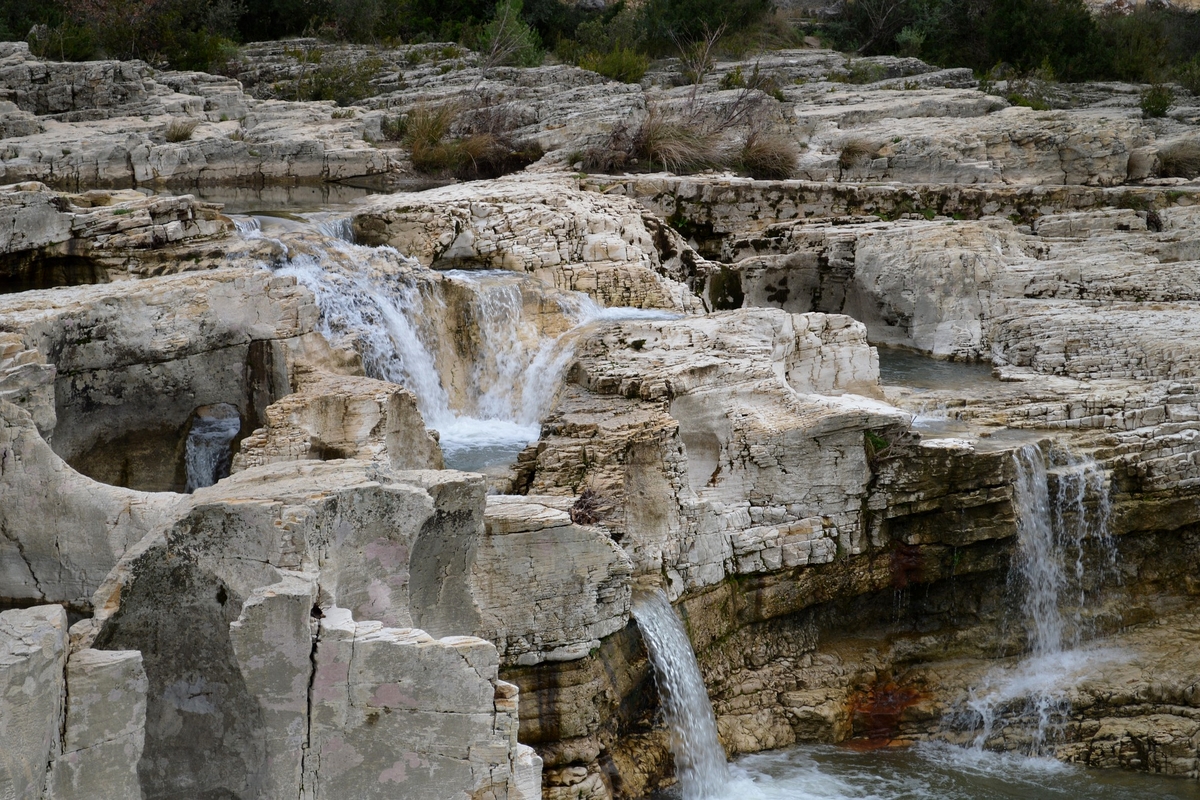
913	448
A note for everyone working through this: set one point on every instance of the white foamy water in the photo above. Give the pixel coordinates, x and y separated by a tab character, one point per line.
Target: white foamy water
699	758
369	298
207	452
1029	703
935	771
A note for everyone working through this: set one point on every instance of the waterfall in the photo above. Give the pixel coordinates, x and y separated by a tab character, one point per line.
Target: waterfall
1051	575
387	307
699	757
207	453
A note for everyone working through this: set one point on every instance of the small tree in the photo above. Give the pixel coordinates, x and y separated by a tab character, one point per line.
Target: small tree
508	41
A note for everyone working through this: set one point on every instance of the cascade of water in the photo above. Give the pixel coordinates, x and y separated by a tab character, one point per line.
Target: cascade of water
207	451
1039	556
371	298
1049	571
699	758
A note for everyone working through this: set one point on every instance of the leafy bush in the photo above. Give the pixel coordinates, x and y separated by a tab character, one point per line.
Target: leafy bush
1180	160
767	84
180	130
346	83
622	64
859	72
394	129
1147	45
508	41
1188	76
1156	100
486	152
671	21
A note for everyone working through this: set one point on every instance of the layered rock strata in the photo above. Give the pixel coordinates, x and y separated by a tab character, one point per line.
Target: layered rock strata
342	617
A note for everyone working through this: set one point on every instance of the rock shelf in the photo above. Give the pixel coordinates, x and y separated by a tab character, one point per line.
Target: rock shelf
341	616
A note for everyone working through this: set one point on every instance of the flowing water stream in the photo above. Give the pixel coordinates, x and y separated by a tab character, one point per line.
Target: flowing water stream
370	299
207	451
519	334
699	758
1058	535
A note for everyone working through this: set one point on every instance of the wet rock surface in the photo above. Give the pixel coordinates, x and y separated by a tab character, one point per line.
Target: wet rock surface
342	616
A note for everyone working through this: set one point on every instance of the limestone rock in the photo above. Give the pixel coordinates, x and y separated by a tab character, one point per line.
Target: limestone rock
672	421
63	532
333	416
532	558
105	727
33	658
398	711
258	583
604	246
102	124
133	361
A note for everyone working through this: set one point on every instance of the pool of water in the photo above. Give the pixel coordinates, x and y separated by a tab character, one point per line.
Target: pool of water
918	371
932	771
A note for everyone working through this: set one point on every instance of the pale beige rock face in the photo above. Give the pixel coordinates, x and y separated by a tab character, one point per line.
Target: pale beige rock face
33	659
392	711
335	416
63	531
396	711
105	727
531	559
103	124
142	356
677	423
605	246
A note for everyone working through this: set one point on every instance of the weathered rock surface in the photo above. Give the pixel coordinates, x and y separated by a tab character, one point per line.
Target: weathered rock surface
104	124
105	727
51	239
249	598
132	361
33	658
334	416
605	246
674	439
308	626
62	531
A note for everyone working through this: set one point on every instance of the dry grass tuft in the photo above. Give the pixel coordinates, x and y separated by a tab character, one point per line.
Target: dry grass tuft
857	153
1179	160
180	130
676	144
769	156
590	508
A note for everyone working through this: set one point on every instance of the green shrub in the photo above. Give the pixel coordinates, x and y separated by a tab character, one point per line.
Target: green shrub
670	21
508	41
767	84
1188	76
909	41
394	129
859	72
346	83
1156	100
622	64
487	152
734	79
